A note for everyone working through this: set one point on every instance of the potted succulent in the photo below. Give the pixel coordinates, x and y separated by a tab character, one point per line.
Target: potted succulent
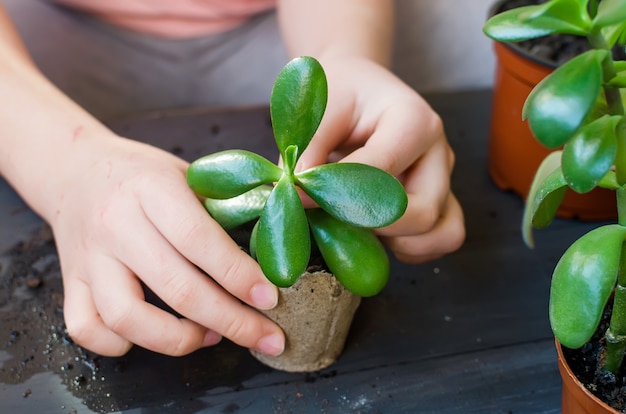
243	189
514	154
580	108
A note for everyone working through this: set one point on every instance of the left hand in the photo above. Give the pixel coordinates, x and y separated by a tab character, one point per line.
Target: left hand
372	117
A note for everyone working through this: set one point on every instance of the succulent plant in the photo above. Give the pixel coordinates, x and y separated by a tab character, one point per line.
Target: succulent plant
578	111
241	186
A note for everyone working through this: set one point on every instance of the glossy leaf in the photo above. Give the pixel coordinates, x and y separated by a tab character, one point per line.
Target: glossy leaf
529	22
620	66
233	212
283	244
618	81
615	34
544	198
610	12
582	283
559	104
353	254
252	246
572	11
590	153
355	193
298	102
230	173
609	181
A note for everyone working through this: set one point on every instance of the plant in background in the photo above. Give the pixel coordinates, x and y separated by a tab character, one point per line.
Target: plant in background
579	108
241	186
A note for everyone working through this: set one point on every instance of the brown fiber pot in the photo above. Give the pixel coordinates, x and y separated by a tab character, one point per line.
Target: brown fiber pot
575	398
315	314
514	153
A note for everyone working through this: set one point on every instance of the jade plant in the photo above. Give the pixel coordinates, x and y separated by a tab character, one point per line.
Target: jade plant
243	187
578	111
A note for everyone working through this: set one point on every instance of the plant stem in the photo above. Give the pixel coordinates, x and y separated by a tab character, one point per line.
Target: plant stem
616	333
615	106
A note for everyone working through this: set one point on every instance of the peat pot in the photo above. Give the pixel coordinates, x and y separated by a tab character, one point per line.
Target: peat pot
514	153
315	314
576	399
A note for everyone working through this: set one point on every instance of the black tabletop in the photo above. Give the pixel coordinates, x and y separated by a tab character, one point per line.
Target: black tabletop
468	333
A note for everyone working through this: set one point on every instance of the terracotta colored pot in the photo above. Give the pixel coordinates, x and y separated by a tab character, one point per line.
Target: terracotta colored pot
514	153
575	398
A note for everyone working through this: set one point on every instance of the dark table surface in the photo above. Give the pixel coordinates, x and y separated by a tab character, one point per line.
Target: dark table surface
465	334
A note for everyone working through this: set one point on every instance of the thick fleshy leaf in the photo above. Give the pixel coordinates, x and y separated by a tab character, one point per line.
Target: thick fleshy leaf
233	212
615	34
620	66
529	22
582	283
230	173
283	243
559	104
298	102
590	153
572	11
618	81
353	254
610	12
358	194
609	181
544	198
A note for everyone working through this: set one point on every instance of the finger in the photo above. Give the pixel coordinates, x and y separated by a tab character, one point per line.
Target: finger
404	133
445	237
192	293
189	228
83	321
119	298
428	186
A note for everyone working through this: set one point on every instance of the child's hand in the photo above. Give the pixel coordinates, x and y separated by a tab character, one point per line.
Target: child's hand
374	118
129	218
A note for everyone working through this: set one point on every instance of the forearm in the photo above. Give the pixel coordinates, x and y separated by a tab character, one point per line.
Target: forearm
348	28
39	126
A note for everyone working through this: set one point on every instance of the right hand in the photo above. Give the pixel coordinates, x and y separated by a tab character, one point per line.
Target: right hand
127	216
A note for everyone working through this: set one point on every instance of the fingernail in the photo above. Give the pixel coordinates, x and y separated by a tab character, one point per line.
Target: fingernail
211	338
264	296
273	344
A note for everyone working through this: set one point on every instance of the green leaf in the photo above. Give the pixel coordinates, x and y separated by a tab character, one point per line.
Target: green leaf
590	153
529	22
230	173
582	283
620	66
544	198
559	104
610	12
290	158
233	212
618	81
283	244
252	247
298	102
609	181
353	254
358	194
614	34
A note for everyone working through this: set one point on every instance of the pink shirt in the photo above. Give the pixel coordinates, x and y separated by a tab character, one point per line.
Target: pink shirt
173	18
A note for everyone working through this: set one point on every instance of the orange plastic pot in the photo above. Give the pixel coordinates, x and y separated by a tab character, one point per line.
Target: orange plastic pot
575	398
514	153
